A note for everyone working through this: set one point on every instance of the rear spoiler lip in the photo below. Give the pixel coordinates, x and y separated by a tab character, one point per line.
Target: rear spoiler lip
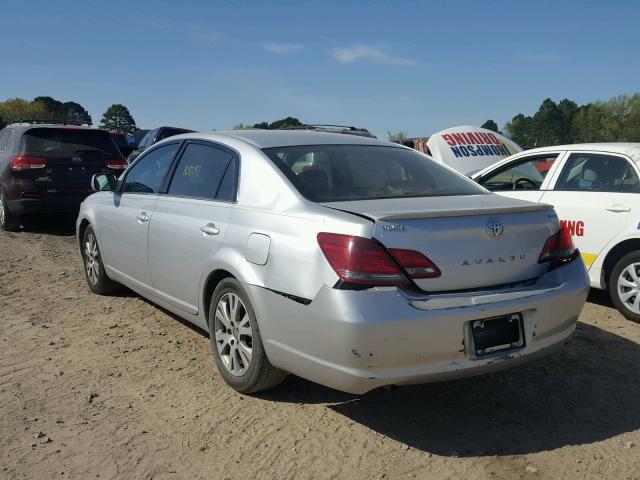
534	207
466	212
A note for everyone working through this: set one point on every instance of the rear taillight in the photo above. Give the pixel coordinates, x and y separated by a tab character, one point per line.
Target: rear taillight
415	263
558	248
360	260
116	163
24	162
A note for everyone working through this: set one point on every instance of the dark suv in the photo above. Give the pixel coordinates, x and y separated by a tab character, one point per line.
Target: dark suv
47	168
154	136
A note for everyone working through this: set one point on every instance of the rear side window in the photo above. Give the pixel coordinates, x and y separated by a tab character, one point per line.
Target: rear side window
6	140
148	173
331	173
595	173
68	141
200	172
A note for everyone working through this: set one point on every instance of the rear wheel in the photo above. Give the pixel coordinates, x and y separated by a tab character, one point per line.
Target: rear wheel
97	278
624	286
236	341
8	221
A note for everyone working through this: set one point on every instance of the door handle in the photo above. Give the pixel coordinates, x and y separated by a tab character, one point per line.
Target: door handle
143	217
210	229
617	208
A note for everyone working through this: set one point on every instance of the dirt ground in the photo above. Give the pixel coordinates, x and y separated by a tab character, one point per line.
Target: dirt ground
114	387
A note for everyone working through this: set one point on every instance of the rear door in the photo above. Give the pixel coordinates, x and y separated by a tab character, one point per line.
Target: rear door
72	156
124	224
189	221
594	197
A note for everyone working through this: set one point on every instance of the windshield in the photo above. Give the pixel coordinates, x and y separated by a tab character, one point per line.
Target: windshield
68	141
333	173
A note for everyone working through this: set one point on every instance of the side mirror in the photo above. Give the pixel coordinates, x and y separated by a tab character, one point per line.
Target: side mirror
103	182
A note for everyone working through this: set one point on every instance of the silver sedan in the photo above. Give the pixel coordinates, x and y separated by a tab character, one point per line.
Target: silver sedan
346	260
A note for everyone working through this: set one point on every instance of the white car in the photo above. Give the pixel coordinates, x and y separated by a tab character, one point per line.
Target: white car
595	189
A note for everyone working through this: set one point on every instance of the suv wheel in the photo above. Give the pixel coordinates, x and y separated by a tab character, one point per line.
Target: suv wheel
624	286
236	342
93	267
8	221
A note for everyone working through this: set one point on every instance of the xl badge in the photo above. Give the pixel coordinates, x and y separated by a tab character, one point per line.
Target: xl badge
495	229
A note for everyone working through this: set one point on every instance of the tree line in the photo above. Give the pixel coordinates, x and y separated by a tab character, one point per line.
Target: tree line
566	122
116	118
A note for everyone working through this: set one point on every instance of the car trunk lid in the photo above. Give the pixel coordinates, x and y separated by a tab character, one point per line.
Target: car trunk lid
477	241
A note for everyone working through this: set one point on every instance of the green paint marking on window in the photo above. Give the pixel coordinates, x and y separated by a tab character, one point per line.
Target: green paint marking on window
191	170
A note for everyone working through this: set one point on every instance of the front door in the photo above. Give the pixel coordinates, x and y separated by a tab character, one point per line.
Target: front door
124	225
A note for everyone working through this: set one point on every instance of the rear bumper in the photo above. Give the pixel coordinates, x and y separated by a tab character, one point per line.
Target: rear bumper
356	341
50	204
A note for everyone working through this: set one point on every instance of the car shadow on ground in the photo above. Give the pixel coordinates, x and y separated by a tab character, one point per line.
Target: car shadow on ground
59	225
585	393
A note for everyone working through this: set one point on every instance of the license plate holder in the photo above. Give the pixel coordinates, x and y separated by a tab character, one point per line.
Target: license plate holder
497	334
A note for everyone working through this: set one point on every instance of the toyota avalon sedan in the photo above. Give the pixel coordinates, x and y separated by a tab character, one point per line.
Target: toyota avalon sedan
349	261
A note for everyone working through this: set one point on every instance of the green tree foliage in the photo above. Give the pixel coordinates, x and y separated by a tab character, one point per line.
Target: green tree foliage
490	125
283	123
397	137
41	108
117	118
15	109
616	120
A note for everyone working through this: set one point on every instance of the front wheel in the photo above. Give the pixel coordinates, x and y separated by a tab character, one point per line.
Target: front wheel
97	278
624	286
236	342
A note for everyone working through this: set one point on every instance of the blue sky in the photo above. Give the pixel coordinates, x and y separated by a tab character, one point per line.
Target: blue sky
388	66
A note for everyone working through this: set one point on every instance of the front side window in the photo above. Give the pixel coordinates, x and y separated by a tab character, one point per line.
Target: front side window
200	171
332	173
595	173
524	174
148	173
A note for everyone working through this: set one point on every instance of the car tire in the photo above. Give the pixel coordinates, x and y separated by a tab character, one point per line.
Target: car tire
94	271
624	286
9	222
236	343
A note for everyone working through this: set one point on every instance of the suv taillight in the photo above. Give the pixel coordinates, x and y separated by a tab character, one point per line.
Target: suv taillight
363	261
116	163
24	162
558	248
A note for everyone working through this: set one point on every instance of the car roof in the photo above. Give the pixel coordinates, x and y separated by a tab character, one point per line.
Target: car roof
281	138
627	148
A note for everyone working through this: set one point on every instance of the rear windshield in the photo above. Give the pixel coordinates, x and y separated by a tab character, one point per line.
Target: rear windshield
170	132
68	141
120	140
332	173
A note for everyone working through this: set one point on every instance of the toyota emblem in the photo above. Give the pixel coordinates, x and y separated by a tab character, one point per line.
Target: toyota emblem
495	229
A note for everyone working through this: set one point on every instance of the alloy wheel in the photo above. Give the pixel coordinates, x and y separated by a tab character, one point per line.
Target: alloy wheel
92	258
629	287
233	334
